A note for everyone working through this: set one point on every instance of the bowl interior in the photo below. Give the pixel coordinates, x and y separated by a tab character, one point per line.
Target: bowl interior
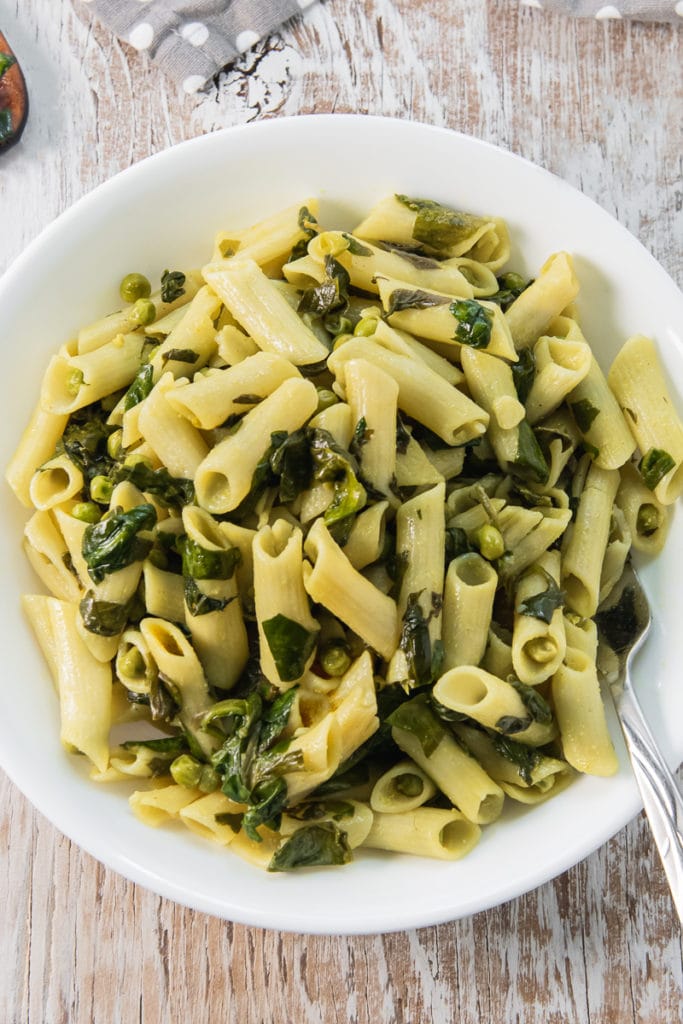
164	213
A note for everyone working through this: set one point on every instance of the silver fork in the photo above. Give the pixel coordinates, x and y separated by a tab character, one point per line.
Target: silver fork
623	623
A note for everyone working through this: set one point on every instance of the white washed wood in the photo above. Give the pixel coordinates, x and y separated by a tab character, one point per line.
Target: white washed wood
600	105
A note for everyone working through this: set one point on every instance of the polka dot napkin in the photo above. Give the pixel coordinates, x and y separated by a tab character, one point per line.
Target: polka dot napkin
194	39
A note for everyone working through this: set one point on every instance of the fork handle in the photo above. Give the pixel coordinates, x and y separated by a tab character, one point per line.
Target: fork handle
661	796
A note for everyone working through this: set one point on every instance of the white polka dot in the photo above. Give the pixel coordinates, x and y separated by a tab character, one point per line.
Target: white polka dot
195	33
679	8
141	36
193	83
245	40
608	12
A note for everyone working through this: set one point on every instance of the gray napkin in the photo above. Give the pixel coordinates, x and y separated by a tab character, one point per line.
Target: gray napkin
193	39
638	10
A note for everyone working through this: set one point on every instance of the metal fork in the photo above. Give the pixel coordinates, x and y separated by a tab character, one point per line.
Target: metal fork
623	623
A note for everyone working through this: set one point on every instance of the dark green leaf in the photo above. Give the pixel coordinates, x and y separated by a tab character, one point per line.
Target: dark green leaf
166	750
510	287
318	810
170	490
313	845
203	564
523	373
275	718
402	437
247	399
333	463
172	282
104	618
262	479
415	642
270	801
619	623
534	702
293	464
330	294
113	543
439	226
6	126
140	388
543	605
199	603
356	248
291	645
85	442
308	224
417	717
508	725
474	323
654	465
584	413
457	542
523	757
529	454
179	355
415	259
414	298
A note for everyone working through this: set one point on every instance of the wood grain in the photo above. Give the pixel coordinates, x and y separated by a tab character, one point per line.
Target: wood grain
600	105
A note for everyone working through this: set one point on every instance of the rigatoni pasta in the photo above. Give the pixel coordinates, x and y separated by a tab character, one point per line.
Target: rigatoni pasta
330	519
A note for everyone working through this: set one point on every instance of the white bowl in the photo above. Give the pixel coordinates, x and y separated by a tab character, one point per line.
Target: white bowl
164	212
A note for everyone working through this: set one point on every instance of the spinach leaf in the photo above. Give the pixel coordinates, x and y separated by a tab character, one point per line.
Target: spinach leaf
113	543
250	765
172	282
415	642
85	442
654	465
170	490
523	757
318	810
410	255
402	437
523	373
203	564
140	388
533	701
584	413
355	247
474	323
166	750
330	294
417	717
543	605
414	298
199	603
510	287
291	645
333	463
179	355
323	843
262	479
508	725
529	454
309	225
103	618
457	542
439	226
293	464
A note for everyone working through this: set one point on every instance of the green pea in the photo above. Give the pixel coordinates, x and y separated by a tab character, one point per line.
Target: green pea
365	327
73	381
326	399
101	489
86	512
132	664
144	312
186	771
209	780
490	542
134	287
115	444
408	784
335	660
648	520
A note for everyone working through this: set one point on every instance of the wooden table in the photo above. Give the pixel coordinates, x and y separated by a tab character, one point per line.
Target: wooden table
600	104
